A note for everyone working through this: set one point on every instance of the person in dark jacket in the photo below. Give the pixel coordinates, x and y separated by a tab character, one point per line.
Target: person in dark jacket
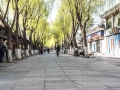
48	50
2	50
58	50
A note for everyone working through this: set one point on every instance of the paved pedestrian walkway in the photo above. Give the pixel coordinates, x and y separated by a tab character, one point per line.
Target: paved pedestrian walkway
49	72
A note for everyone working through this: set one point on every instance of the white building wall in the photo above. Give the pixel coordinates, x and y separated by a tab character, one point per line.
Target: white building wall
109	4
94	46
103	45
88	44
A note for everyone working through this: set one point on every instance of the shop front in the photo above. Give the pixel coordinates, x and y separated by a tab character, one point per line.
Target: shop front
113	41
94	41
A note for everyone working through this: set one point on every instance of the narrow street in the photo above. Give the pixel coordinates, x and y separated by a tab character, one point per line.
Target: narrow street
66	72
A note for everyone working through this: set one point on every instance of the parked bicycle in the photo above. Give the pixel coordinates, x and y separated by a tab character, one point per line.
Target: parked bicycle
78	52
93	54
65	51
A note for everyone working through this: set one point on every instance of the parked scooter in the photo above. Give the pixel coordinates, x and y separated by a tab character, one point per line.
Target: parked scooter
78	52
65	51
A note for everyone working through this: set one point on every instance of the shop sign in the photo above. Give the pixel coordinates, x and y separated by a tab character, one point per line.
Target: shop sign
95	36
114	30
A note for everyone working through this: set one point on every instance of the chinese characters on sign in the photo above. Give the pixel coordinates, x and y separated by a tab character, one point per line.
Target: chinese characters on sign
114	31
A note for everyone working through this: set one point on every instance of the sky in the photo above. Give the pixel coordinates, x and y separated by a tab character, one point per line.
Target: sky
53	13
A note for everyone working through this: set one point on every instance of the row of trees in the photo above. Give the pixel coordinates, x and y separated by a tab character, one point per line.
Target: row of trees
72	16
25	18
29	18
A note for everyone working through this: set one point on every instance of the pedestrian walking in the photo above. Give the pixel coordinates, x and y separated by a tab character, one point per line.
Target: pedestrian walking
2	50
58	50
41	51
48	50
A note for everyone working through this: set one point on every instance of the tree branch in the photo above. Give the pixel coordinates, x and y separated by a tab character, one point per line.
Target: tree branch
88	14
6	10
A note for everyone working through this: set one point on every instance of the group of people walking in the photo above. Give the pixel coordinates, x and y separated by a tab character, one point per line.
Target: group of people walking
48	50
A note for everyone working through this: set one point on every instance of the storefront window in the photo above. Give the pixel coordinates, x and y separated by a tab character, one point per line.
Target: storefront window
115	20
118	19
90	46
98	45
108	23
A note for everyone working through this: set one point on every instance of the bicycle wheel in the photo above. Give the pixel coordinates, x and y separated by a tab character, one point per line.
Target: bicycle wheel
93	54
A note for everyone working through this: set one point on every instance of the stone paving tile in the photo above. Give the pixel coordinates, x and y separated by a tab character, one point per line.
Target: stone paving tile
55	73
29	84
85	80
61	89
90	85
56	77
48	72
41	76
79	76
93	89
5	85
4	88
29	88
58	81
59	86
5	64
35	74
107	79
10	82
75	73
115	88
112	84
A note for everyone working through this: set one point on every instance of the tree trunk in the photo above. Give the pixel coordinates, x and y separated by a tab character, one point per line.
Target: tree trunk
75	44
74	40
32	51
25	44
9	46
17	48
85	44
84	38
22	49
73	35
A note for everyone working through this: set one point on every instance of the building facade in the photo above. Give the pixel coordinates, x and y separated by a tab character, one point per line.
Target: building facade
113	41
112	31
95	39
